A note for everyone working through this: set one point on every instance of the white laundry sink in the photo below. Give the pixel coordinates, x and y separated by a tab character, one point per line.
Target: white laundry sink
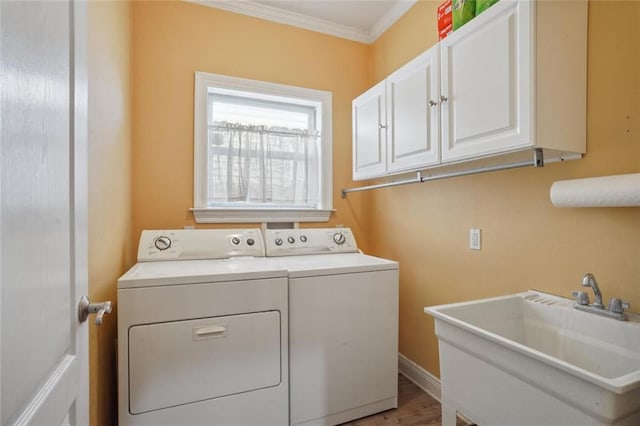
531	358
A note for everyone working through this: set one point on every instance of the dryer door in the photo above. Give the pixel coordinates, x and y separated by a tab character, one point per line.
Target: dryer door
182	362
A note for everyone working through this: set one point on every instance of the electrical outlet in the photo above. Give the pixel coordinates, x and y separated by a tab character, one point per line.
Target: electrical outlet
475	242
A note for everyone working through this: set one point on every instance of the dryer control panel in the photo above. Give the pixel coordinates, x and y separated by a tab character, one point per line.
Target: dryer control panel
191	244
292	242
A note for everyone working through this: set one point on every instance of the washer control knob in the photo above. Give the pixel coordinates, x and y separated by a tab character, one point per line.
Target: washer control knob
235	241
339	238
278	241
162	242
291	240
250	241
303	238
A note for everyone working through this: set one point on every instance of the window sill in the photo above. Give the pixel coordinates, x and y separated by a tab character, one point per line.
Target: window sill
221	215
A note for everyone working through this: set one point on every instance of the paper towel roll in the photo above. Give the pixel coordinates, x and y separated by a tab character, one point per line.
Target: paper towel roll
606	191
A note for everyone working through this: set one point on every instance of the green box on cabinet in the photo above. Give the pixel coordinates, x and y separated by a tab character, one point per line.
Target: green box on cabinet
482	5
463	12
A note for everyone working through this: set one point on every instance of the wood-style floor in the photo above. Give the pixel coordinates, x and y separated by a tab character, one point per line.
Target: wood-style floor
415	407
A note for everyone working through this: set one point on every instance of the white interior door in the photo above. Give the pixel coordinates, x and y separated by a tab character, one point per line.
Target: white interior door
43	250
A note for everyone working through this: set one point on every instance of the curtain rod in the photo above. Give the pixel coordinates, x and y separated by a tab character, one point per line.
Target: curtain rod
538	161
266	130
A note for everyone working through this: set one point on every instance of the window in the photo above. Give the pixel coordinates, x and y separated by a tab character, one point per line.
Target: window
262	151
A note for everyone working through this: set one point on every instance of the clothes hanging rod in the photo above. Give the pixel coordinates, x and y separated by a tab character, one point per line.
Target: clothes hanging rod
538	161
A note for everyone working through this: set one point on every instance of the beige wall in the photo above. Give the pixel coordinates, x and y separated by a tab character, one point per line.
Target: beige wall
110	248
527	243
172	40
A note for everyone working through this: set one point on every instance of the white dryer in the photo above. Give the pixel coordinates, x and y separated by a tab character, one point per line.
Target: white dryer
202	331
343	325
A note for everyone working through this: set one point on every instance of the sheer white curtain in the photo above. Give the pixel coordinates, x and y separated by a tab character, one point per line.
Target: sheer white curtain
259	165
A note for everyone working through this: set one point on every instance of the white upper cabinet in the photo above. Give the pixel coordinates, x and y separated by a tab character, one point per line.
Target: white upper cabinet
515	78
511	79
369	133
486	85
396	123
413	114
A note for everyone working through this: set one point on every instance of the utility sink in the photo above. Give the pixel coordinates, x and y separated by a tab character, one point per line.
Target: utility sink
531	358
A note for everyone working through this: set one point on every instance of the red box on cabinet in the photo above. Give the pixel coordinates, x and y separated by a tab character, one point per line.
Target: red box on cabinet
445	21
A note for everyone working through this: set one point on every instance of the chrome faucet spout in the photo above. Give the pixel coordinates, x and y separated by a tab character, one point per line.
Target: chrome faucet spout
590	281
616	306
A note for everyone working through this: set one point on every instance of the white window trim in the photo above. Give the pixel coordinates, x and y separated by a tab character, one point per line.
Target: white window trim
204	214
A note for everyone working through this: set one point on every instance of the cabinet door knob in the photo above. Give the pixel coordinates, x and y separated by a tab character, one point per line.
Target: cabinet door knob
443	99
432	103
381	126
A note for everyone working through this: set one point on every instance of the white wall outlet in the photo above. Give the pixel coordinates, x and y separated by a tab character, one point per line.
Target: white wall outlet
475	241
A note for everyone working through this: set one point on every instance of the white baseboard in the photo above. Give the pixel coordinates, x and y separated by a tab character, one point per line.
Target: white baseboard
423	379
418	375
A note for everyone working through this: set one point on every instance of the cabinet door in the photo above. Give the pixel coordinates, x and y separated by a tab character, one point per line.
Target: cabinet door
369	133
413	139
487	83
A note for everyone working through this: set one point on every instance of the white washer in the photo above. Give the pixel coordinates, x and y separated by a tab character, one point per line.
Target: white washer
203	341
343	326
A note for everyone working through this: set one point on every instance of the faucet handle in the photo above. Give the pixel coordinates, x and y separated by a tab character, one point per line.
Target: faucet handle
618	306
582	298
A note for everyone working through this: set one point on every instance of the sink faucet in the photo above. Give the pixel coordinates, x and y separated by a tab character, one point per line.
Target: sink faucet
616	306
590	281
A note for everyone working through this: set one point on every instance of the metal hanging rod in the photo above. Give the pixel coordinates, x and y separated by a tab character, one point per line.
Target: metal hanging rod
538	161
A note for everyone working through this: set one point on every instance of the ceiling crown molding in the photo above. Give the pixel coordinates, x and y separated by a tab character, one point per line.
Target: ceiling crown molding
390	18
275	14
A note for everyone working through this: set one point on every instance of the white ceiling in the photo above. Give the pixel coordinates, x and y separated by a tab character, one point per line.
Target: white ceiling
359	20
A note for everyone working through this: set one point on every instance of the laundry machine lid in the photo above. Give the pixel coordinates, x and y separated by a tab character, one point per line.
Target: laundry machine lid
331	264
150	274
